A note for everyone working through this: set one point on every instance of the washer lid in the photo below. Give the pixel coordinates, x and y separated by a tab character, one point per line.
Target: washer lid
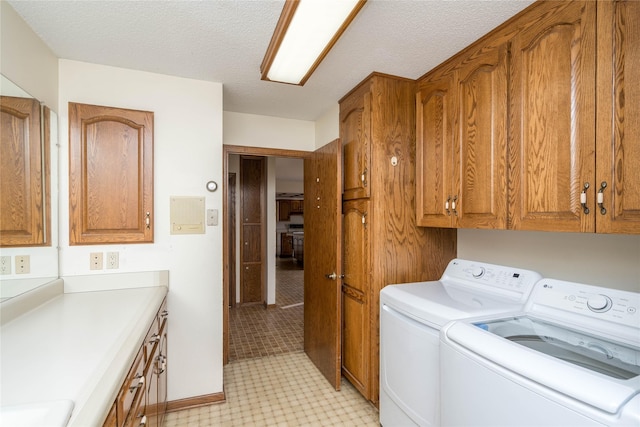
597	371
435	304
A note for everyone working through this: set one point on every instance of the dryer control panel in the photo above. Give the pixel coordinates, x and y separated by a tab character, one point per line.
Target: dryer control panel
512	283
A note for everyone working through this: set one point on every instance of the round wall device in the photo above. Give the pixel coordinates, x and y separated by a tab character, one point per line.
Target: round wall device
212	186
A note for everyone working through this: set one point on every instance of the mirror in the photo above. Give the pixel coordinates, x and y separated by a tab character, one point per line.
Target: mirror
26	266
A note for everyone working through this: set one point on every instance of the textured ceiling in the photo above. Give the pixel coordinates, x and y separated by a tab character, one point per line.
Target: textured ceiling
225	41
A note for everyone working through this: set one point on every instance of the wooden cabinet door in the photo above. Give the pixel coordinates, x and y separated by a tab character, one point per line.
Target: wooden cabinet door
618	125
552	138
22	154
356	296
284	210
480	164
252	247
355	134
434	151
110	175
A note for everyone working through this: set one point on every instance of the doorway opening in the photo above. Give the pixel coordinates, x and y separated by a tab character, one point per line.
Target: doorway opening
275	324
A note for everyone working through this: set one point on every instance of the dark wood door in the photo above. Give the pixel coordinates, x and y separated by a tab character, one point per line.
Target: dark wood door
322	282
252	248
355	134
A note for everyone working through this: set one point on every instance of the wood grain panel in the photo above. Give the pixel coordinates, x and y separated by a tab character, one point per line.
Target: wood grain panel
252	230
322	244
110	175
355	342
435	145
355	134
480	175
23	213
618	125
553	112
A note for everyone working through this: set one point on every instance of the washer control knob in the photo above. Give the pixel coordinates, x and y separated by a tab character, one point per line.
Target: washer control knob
599	303
477	272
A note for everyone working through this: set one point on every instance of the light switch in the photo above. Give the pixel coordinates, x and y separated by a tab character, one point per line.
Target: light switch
212	216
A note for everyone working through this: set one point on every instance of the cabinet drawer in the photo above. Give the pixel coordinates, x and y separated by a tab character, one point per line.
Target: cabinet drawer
132	389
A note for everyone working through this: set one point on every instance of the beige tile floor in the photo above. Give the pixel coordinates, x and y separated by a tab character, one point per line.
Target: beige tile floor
280	390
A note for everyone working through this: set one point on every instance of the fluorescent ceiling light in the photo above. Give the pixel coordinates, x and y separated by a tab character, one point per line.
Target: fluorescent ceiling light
306	31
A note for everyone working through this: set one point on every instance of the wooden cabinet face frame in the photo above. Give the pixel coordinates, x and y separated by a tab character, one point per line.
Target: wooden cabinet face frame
110	175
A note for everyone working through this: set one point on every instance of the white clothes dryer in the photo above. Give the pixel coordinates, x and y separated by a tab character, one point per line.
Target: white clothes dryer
411	316
571	358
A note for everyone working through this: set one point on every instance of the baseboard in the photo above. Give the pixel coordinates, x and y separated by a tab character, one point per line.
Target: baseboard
194	402
268	306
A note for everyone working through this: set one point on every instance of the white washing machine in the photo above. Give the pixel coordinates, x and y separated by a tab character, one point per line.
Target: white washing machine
570	358
411	316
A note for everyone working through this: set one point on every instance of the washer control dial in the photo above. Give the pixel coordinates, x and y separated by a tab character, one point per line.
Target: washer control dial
477	272
599	303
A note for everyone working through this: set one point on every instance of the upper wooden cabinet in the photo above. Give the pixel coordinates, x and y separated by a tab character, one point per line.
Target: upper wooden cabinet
24	173
355	133
618	115
552	102
570	158
110	175
462	142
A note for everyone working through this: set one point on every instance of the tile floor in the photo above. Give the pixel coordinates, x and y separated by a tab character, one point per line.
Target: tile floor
269	380
281	390
257	332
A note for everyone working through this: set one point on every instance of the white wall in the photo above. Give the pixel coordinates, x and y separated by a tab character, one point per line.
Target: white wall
328	126
25	59
268	132
604	260
187	154
28	63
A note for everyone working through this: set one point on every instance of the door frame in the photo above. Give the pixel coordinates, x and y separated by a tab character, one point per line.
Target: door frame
248	151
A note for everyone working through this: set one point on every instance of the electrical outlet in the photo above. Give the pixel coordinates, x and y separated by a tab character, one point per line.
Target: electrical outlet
113	260
95	261
5	265
23	264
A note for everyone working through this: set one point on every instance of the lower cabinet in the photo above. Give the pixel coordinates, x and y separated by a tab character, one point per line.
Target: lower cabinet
142	400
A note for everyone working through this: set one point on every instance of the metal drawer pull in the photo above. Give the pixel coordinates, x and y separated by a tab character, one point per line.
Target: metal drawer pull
140	383
603	185
583	198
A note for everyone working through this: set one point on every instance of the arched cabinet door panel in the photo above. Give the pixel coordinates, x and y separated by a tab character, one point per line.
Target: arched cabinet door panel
110	175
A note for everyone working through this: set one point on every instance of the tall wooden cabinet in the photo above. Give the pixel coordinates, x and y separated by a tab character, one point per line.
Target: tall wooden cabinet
382	243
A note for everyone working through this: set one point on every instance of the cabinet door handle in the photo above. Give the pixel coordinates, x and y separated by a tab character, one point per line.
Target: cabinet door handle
154	338
363	177
603	185
446	205
164	314
453	205
147	220
143	420
583	198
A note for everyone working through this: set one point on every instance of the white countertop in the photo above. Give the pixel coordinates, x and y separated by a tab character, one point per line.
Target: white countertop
76	346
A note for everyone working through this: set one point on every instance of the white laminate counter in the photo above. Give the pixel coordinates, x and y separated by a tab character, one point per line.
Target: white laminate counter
76	346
